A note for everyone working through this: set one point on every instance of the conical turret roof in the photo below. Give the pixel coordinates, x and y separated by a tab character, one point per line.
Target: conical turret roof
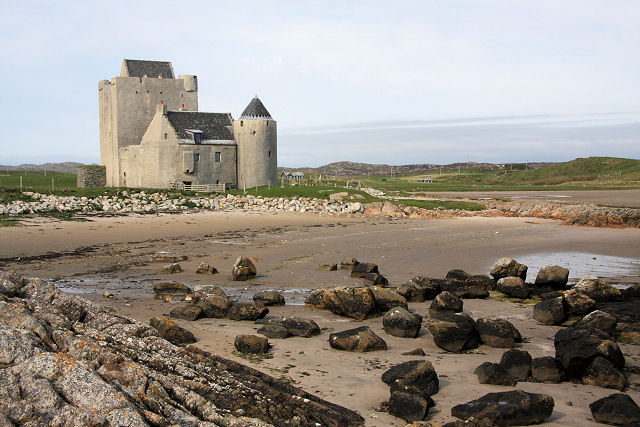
255	110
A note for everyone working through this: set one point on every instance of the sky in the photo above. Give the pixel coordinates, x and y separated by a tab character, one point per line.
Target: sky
394	82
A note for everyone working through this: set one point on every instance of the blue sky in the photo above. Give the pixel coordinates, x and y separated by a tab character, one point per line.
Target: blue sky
373	81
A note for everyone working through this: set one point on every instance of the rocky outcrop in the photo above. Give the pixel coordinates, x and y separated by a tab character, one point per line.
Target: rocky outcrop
401	323
243	269
508	267
453	332
509	408
618	409
361	339
71	362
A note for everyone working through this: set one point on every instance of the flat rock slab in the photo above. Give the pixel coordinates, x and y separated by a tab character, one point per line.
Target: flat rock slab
510	408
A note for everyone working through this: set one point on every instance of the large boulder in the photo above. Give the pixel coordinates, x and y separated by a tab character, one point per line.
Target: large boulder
602	373
513	287
269	297
246	311
214	305
508	267
598	320
414	373
576	349
517	363
498	333
386	299
243	269
251	344
546	369
399	322
361	339
169	330
494	373
361	269
419	289
356	303
300	327
598	289
409	406
549	311
618	409
509	408
553	276
453	332
447	302
186	312
577	303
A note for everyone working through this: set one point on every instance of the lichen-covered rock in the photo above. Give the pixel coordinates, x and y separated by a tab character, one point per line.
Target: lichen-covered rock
251	344
508	267
171	331
356	303
598	289
513	287
419	289
509	408
618	409
498	333
577	303
246	311
361	339
386	299
597	320
576	349
399	322
447	302
215	305
455	332
243	269
517	363
602	373
549	311
546	369
494	373
269	297
414	373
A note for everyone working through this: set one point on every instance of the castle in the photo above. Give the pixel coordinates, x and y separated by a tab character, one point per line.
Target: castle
153	136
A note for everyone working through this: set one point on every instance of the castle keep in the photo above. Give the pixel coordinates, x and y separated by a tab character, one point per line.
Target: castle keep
153	136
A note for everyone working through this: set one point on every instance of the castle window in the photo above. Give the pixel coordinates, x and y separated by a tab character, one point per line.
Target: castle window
165	136
160	92
269	153
217	181
197	138
218	156
241	122
197	157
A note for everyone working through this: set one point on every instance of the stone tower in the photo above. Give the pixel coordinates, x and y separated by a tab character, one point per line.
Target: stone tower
256	133
128	104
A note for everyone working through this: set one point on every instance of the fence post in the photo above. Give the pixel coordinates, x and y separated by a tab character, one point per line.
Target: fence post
45	172
52	185
20	182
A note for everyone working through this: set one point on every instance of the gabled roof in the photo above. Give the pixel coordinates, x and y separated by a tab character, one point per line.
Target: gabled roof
212	125
153	69
255	110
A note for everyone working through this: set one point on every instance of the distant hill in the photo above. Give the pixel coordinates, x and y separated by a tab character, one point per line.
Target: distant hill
54	167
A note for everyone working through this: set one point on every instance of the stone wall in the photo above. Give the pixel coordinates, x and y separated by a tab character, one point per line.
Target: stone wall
92	176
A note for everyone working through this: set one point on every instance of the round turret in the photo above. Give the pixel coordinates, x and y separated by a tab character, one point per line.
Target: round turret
256	134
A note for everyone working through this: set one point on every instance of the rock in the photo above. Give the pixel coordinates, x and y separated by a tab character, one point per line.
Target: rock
356	303
170	269
251	344
268	298
598	289
243	269
375	279
513	287
389	208
447	302
401	323
301	327
517	363
471	422
274	331
598	320
246	311
549	312
327	267
630	292
481	281
576	349
337	197
419	289
617	409
507	267
508	408
168	257
10	284
578	304
200	292
204	268
546	370
361	339
453	332
186	312
414	352
457	274
409	406
386	299
169	330
107	294
497	333
553	275
215	305
361	269
494	373
348	263
602	373
464	289
414	373
170	288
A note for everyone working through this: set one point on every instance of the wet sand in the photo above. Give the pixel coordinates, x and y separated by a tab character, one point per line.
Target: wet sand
287	248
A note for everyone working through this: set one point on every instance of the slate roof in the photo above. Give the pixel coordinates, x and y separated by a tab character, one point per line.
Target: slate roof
212	125
153	69
255	110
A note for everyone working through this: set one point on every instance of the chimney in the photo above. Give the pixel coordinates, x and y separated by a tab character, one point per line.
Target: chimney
161	108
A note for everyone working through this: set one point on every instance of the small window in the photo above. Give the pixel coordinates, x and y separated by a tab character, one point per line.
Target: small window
182	95
165	136
197	157
241	122
197	138
160	92
217	181
218	156
269	153
267	124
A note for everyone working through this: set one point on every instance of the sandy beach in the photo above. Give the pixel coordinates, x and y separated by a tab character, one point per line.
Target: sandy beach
112	254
